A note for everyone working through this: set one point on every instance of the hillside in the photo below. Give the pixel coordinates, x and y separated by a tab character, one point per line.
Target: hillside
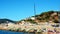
49	16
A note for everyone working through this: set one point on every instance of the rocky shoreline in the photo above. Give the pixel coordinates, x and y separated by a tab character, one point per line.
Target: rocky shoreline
27	28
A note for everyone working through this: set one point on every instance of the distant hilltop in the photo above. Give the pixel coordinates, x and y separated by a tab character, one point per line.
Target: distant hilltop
6	21
49	16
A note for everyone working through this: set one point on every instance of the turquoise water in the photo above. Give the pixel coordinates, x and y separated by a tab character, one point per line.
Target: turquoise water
11	32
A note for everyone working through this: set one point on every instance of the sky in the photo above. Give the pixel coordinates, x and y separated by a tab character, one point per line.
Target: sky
21	9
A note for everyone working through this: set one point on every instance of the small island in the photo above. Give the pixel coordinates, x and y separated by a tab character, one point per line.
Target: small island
44	23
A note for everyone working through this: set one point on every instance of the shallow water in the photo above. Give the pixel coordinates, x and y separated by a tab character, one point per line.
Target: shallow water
11	32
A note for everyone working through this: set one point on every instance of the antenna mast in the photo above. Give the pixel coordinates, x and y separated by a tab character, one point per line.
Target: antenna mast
34	10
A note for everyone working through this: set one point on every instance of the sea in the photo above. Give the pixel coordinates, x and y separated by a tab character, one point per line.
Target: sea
12	32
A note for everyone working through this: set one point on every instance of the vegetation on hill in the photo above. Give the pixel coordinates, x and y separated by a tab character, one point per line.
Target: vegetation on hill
50	16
